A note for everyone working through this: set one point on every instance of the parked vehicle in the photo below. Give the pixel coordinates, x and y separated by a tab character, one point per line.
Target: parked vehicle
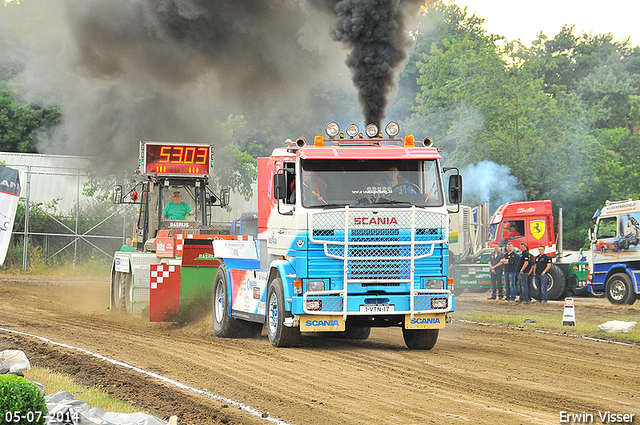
615	260
530	222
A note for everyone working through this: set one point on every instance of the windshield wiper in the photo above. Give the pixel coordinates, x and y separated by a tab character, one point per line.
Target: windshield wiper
383	201
324	206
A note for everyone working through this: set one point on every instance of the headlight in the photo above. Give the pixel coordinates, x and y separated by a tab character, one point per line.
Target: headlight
332	129
315	285
439	303
352	130
392	129
371	130
435	284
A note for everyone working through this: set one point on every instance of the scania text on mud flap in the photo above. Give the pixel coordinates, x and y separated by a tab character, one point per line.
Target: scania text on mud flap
352	234
171	273
615	252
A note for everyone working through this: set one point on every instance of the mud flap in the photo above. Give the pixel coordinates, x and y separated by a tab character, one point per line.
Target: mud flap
425	321
319	323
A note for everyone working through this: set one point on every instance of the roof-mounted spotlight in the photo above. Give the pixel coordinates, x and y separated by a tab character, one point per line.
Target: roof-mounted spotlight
427	142
352	130
371	130
392	129
301	142
332	129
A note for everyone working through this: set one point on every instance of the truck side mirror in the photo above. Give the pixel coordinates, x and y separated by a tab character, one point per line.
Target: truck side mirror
280	186
455	189
224	197
117	194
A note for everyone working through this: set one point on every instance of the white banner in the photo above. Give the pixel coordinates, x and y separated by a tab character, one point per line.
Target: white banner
9	195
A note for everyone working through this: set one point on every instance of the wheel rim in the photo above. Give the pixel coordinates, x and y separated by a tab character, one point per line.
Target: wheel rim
617	290
273	313
219	302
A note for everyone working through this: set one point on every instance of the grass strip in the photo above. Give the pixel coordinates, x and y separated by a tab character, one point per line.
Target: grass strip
586	325
54	382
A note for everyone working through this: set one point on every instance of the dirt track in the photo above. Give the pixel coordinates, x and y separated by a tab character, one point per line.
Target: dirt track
475	374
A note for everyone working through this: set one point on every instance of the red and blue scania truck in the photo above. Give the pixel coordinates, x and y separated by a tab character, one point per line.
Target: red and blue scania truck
339	247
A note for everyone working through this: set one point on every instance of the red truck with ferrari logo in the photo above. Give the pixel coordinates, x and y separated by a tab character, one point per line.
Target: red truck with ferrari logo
514	222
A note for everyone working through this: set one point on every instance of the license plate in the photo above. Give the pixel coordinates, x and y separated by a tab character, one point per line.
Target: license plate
377	308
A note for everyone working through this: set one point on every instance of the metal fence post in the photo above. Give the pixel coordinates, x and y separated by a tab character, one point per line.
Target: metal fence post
25	245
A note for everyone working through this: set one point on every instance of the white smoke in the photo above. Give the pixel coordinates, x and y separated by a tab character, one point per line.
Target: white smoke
487	181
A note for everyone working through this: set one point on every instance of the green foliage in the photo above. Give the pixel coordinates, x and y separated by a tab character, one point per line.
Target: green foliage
239	170
21	124
17	394
562	114
235	165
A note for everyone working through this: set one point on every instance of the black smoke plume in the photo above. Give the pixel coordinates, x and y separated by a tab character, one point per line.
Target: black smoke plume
378	42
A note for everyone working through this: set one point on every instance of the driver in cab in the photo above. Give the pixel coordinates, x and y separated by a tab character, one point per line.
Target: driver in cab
394	181
176	210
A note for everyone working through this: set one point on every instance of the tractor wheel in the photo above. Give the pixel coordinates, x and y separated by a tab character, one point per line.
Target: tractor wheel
279	334
619	289
128	292
420	339
118	285
225	326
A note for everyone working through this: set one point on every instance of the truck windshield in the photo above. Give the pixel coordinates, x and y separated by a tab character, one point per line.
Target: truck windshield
371	182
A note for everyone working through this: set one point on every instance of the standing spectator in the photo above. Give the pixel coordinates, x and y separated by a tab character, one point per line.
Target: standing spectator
127	246
525	267
495	264
542	266
510	261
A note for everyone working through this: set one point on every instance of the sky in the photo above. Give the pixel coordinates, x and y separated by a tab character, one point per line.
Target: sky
524	20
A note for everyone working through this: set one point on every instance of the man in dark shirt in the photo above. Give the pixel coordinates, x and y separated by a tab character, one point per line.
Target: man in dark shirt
542	266
525	267
510	261
495	264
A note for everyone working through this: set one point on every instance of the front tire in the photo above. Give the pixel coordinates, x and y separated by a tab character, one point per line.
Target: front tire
279	334
619	289
420	339
225	326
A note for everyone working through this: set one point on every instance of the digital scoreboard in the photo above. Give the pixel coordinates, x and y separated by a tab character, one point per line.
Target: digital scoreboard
175	159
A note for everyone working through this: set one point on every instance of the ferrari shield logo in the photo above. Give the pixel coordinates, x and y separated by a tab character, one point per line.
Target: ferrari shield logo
537	228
